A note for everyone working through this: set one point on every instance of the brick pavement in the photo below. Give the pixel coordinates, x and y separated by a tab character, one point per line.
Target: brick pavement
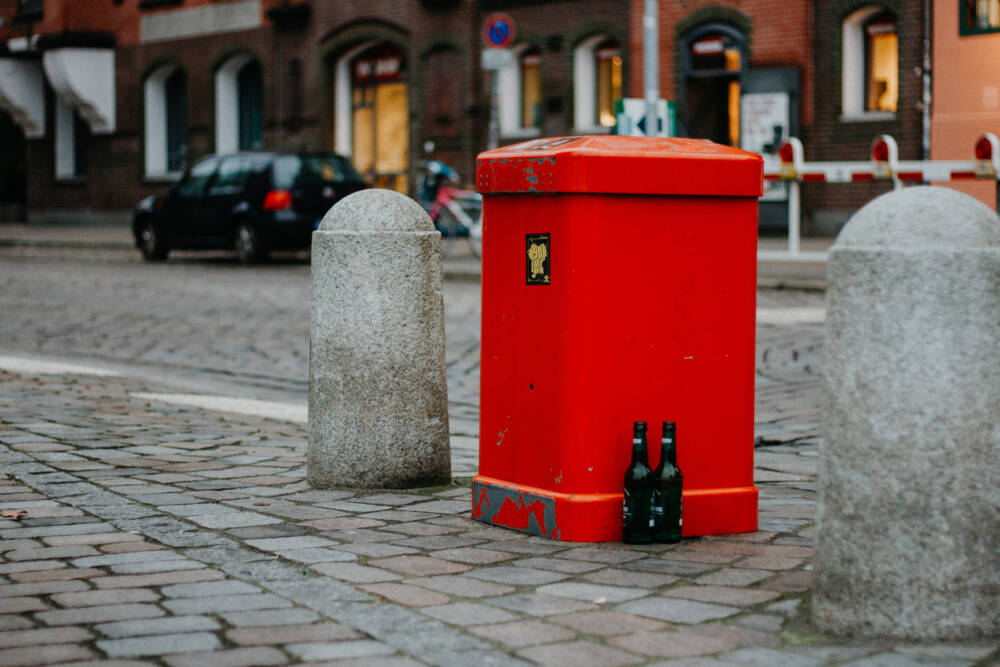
168	535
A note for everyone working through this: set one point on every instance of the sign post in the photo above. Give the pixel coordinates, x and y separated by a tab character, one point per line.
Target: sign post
498	34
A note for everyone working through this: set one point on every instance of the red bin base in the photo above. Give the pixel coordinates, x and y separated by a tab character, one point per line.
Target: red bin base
597	517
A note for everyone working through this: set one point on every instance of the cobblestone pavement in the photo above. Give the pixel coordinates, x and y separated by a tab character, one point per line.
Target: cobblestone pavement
139	532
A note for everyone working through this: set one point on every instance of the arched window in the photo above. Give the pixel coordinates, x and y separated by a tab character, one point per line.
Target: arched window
165	95
238	105
519	93
870	68
597	83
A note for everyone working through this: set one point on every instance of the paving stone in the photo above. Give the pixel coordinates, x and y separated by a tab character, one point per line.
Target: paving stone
558	565
13	545
361	574
578	654
741	597
238	657
130	547
333	651
517	576
608	556
766	657
790	582
149	567
30	565
962	651
294	616
441	506
41	588
118	559
461	586
233	520
734	577
469	613
299	633
376	549
615	577
43	655
342	523
680	644
261	532
518	634
769	563
418	565
438	542
220	603
158	579
10	622
158	645
209	589
762	622
285	543
674	567
91	539
538	604
43	553
19	605
595	593
43	636
105	597
157	626
677	611
406	595
607	623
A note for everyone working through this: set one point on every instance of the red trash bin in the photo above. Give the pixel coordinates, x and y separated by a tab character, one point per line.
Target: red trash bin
619	284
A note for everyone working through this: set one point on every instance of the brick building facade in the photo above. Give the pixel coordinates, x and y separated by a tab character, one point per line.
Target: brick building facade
375	79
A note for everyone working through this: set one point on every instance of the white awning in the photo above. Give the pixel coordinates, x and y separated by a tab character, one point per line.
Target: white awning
85	79
22	94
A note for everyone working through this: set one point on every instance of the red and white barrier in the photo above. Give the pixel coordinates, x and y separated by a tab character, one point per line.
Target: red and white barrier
884	165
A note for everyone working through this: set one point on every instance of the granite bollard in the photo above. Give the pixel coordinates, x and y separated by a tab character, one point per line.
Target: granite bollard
378	398
908	539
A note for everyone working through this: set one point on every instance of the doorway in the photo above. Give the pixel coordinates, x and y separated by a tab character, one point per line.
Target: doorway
380	130
713	60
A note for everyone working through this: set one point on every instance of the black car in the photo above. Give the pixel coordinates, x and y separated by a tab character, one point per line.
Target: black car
250	202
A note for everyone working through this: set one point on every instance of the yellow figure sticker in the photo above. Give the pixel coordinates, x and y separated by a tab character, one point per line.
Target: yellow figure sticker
538	267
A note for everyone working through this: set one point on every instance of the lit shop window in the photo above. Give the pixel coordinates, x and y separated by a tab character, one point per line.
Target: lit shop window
597	82
609	81
531	88
882	66
870	67
712	87
978	16
380	116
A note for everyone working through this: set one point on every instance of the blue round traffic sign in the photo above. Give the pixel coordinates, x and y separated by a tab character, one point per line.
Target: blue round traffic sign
498	30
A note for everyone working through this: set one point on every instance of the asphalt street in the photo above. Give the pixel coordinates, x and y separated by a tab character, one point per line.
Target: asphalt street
155	510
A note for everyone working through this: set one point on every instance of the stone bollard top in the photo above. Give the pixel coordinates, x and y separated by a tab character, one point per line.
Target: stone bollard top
922	217
376	210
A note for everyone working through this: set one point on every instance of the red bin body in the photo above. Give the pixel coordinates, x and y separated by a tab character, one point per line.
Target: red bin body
619	285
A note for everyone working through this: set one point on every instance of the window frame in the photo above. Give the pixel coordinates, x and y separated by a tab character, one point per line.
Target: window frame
964	29
585	88
510	96
157	124
854	66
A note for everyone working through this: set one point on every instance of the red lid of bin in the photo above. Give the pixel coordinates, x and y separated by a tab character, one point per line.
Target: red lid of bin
611	164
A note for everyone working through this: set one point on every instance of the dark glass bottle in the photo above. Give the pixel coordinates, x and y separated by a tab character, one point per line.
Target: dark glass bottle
637	522
667	489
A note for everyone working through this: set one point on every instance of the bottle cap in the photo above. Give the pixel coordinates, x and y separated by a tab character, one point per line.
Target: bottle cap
639	426
669	426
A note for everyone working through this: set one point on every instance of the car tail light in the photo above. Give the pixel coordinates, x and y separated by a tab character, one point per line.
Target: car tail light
277	200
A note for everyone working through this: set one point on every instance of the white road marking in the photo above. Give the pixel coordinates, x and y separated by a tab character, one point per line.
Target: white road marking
245	406
23	366
789	316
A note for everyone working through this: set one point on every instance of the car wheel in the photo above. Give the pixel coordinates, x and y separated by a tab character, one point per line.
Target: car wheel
247	244
151	244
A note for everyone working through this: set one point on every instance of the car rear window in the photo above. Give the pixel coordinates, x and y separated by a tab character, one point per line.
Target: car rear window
305	170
